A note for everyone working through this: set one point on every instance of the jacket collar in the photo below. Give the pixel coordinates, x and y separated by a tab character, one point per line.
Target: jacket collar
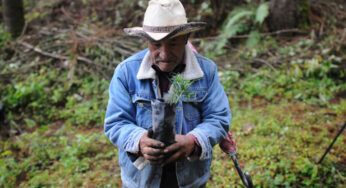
192	70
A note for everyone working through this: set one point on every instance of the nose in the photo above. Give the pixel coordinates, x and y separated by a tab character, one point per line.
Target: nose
164	53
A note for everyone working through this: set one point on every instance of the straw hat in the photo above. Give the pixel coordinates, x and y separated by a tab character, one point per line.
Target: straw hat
164	19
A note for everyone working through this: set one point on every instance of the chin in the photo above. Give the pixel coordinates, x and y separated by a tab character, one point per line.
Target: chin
166	69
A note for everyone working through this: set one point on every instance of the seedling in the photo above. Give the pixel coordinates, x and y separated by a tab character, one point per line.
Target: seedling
164	112
178	89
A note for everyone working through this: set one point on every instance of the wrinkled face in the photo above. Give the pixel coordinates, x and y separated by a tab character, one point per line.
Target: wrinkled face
169	53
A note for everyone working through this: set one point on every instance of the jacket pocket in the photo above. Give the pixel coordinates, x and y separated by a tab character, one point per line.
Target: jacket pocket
198	95
129	173
192	107
191	111
143	110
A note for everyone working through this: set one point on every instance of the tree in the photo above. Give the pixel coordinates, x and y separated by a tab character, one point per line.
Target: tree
221	8
13	16
288	14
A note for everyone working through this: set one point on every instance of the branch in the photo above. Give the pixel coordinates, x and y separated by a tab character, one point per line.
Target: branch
57	56
7	76
295	30
265	62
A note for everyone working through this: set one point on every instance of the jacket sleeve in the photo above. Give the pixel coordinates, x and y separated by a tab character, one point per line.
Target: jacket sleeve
119	125
216	116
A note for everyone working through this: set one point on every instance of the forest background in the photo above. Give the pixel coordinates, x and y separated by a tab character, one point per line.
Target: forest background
282	64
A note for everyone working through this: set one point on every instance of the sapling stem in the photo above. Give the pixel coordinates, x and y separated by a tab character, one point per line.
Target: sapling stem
178	89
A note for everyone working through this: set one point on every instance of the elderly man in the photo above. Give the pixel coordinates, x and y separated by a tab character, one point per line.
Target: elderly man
201	121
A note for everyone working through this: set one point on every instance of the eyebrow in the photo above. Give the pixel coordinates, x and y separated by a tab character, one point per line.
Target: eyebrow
159	42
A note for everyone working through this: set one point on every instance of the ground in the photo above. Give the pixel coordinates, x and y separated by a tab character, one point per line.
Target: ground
287	96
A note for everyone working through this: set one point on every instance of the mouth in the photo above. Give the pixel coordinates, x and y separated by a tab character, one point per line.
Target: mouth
165	62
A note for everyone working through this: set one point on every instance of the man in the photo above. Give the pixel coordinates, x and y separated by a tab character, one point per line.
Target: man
201	121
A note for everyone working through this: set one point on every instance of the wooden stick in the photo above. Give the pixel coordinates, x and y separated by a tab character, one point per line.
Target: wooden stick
57	56
295	30
331	144
265	62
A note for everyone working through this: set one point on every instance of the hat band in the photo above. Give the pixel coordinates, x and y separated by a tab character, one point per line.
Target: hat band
155	29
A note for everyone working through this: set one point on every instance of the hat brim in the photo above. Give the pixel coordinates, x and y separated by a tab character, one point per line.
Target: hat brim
157	36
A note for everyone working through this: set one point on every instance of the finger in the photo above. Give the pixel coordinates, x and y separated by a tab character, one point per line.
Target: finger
148	142
152	151
154	143
173	158
155	162
172	148
153	158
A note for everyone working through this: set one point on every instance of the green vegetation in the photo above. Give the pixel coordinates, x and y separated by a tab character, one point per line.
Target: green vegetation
58	156
284	147
47	96
246	19
291	90
308	82
237	22
313	79
4	37
178	89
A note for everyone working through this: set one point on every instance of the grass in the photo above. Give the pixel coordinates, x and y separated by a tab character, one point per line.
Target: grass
282	150
284	147
55	123
59	155
47	96
294	114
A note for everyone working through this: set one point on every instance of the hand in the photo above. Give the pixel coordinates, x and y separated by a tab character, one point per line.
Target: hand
180	150
151	149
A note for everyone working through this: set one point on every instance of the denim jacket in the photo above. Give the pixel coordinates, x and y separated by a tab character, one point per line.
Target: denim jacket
206	115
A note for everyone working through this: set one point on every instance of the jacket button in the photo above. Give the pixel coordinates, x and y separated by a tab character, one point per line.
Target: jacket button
156	176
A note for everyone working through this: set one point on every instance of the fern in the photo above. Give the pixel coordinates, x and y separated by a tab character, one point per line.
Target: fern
261	13
234	24
240	20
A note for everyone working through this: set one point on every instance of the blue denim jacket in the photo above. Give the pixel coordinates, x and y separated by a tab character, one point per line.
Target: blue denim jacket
206	115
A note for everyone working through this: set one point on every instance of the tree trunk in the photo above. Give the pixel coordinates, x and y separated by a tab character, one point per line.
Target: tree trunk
32	4
13	14
288	14
1	12
218	8
221	8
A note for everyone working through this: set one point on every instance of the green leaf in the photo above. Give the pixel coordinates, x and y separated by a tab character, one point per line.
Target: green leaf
235	23
261	13
237	17
253	40
29	122
178	89
7	152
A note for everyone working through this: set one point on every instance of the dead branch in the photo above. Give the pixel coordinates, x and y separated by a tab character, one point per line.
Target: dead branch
265	62
120	46
295	30
17	126
8	75
342	40
61	57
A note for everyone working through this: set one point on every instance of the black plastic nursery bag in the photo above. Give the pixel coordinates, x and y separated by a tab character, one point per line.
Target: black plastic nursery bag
163	118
